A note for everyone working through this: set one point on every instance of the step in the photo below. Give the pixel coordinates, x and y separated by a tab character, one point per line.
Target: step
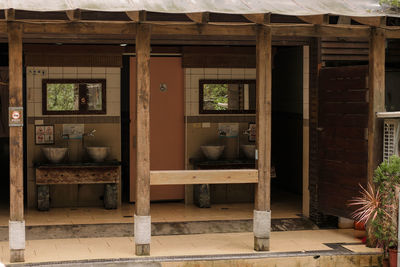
158	228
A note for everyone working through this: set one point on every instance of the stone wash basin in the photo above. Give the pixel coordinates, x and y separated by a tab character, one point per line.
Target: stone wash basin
212	152
55	154
98	153
249	151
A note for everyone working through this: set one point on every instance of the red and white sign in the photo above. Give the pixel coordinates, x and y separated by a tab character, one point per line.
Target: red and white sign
15	116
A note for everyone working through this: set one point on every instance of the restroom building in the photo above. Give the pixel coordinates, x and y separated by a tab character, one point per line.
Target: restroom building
130	113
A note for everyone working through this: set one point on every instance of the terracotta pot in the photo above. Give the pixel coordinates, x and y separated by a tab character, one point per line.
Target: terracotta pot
359	226
393	257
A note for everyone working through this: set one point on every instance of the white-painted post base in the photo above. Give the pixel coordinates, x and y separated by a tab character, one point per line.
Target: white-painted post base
142	233
16	234
261	230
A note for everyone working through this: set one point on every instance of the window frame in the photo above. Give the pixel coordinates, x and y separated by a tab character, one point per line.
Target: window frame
82	106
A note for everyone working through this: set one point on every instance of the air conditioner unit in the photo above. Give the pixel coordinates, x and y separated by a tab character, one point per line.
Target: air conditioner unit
391	130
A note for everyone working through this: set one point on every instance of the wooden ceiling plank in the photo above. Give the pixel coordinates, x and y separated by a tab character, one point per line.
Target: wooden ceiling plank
315	19
346	20
199	17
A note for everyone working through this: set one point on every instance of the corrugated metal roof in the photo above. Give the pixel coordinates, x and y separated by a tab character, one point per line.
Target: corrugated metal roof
362	8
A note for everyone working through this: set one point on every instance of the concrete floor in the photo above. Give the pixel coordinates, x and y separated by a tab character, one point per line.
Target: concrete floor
56	250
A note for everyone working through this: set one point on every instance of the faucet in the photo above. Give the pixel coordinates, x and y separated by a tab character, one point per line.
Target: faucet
247	132
90	133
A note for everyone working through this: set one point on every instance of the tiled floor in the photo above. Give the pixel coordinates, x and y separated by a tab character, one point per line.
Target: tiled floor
182	245
160	212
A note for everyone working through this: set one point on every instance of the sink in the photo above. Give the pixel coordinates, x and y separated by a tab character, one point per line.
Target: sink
98	153
212	152
55	154
249	151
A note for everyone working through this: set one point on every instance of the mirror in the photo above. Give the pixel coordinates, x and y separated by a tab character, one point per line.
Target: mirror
71	96
227	96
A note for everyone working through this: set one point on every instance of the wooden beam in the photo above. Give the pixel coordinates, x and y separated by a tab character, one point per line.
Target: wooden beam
142	204
262	18
16	141
137	16
376	98
74	15
263	142
203	177
199	17
371	21
304	30
315	19
80	27
9	14
118	28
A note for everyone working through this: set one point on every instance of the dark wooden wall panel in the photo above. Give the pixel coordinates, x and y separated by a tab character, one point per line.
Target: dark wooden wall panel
342	144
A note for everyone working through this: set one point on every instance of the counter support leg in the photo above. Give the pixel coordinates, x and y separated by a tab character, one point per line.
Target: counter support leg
43	197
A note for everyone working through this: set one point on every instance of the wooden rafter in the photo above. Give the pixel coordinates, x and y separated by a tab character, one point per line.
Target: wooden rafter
137	16
74	15
262	18
9	14
315	19
371	21
199	17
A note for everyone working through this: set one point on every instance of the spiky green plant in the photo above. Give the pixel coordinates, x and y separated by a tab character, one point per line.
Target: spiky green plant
368	202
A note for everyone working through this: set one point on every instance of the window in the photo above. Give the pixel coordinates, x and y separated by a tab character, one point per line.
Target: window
227	96
71	96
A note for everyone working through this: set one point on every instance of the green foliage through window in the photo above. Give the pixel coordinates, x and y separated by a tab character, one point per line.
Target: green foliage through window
62	96
215	96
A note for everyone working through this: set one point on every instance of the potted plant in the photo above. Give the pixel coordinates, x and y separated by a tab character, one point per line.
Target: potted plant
378	207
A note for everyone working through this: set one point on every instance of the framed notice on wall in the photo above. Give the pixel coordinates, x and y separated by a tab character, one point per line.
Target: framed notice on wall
44	134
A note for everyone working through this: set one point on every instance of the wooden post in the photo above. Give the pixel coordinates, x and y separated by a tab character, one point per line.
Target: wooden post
376	98
17	223
262	213
142	205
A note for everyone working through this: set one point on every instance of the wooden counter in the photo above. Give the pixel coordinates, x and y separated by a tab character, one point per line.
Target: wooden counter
107	173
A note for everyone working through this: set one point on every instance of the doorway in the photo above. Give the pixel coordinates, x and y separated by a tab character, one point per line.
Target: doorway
287	129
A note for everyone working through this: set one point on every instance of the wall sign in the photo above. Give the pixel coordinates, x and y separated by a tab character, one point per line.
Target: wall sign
15	116
44	134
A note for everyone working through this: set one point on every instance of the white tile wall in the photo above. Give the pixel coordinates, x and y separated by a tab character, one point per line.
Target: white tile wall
193	75
34	85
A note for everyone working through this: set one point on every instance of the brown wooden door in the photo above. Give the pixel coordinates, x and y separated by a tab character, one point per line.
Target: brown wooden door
167	128
342	137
